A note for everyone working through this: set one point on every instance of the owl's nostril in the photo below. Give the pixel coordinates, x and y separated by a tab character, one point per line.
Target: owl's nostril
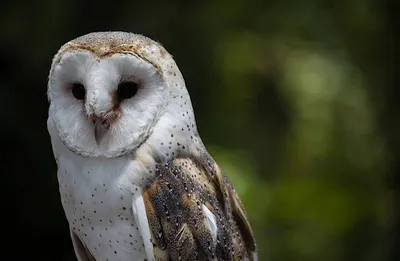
99	120
92	118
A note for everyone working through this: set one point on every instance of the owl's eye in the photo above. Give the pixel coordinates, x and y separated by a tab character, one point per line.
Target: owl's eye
78	90
127	90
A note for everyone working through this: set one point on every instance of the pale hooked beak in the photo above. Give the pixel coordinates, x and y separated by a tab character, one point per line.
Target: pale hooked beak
100	127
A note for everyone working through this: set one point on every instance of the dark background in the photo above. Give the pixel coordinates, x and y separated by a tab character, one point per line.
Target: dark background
295	99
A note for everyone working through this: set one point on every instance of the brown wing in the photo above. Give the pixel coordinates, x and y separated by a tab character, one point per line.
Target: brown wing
195	214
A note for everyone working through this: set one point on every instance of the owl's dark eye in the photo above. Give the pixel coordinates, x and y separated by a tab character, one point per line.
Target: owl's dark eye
127	90
78	90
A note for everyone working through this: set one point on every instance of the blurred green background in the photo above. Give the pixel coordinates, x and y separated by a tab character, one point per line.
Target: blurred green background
292	98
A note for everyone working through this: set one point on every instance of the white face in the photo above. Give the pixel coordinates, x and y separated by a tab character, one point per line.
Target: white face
103	107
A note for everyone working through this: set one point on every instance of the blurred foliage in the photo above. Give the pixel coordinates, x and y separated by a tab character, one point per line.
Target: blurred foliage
289	97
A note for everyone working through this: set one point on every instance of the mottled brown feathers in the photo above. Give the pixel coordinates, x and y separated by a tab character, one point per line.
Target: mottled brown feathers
174	201
115	43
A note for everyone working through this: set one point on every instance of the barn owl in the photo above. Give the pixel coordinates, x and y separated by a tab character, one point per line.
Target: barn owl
136	181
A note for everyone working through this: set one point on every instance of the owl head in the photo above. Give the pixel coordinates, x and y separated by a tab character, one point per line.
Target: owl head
108	90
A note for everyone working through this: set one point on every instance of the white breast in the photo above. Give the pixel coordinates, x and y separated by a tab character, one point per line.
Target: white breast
98	205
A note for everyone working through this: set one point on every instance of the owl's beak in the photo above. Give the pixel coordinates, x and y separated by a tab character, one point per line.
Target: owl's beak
100	128
99	131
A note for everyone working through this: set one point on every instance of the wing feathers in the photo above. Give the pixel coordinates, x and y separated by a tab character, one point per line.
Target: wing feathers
244	225
210	223
194	214
139	213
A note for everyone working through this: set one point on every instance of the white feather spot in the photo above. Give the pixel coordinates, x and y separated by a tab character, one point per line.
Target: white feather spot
210	222
139	212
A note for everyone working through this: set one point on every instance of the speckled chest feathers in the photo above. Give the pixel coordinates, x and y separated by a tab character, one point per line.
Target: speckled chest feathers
136	182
